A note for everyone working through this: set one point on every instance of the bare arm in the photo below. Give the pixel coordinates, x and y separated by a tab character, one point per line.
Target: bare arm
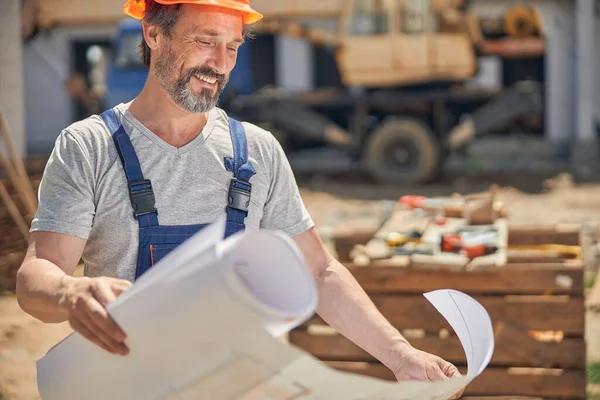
50	261
345	306
47	290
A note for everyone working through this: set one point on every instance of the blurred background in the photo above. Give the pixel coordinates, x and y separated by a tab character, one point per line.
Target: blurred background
370	99
519	71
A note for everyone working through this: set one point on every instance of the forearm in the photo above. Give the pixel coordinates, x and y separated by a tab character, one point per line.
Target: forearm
41	286
345	306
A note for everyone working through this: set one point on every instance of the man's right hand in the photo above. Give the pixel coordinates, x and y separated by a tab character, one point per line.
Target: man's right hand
85	300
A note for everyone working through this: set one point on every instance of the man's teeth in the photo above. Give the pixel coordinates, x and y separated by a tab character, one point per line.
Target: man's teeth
206	78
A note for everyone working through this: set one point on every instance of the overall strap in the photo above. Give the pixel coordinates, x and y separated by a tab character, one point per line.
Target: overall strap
238	199
140	189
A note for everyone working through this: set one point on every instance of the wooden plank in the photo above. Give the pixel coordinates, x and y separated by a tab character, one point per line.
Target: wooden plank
512	349
567	234
594	295
555	313
565	384
67	12
294	8
501	398
345	241
379	277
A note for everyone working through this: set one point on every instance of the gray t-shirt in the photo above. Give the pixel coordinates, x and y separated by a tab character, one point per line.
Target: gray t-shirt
84	191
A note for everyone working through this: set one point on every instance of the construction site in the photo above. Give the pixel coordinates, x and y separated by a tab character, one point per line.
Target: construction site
437	144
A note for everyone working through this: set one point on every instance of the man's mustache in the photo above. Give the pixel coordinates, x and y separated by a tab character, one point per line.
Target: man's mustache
206	71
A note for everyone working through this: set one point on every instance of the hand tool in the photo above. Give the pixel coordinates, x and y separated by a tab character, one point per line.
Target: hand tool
395	239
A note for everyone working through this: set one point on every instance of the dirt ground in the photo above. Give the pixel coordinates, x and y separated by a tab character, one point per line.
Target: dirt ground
333	204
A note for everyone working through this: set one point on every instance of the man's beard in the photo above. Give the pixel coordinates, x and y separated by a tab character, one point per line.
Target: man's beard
179	88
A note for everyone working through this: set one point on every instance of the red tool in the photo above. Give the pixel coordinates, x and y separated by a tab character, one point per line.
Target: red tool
452	243
478	250
412	201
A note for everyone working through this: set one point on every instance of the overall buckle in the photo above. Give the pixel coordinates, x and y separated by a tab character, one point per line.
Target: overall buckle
239	198
143	201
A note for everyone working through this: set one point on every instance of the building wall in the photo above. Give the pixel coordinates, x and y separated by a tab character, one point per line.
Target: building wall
586	109
295	57
11	76
558	17
48	107
47	64
294	61
597	59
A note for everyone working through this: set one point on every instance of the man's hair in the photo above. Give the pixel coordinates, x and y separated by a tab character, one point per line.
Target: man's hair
165	17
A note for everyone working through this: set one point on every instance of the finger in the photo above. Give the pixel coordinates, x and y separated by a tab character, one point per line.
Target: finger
117	286
123	283
118	289
84	331
104	295
458	395
434	373
108	330
449	369
115	346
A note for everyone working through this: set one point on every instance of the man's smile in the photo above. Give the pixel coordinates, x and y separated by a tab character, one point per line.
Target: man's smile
205	78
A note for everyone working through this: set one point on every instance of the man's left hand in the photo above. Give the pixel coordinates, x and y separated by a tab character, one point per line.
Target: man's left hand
417	365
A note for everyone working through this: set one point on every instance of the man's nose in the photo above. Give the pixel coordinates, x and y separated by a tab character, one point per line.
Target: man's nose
219	60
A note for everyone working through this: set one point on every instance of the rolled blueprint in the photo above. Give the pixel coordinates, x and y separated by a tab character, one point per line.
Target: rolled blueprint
204	324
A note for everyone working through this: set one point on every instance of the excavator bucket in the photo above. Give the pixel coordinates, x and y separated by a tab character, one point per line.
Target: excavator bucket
521	100
293	114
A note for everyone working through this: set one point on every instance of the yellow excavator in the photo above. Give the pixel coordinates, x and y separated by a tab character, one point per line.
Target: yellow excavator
403	101
389	43
404	104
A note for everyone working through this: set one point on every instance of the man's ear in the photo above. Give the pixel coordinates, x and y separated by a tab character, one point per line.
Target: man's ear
150	33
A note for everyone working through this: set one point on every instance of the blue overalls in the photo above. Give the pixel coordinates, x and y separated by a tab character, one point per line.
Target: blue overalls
156	241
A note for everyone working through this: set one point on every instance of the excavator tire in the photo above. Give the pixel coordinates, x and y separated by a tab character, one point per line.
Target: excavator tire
402	150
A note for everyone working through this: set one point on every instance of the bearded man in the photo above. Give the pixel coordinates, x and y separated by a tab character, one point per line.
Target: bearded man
124	188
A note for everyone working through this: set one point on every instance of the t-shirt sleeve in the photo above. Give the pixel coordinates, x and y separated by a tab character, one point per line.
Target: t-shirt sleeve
66	192
284	209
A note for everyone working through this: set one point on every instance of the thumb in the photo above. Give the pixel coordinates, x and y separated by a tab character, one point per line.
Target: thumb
118	289
104	293
119	286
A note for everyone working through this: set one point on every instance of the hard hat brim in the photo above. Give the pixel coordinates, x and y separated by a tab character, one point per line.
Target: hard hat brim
136	8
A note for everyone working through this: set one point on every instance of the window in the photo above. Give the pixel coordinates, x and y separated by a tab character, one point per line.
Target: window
127	56
369	17
413	16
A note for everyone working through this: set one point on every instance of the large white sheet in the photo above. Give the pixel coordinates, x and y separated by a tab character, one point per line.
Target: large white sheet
204	324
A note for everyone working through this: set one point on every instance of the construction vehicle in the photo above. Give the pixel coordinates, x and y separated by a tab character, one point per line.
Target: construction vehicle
402	105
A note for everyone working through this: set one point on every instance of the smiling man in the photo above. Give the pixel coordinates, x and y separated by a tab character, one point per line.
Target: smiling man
122	189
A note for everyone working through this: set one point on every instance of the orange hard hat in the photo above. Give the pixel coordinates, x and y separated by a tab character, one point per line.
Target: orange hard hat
136	8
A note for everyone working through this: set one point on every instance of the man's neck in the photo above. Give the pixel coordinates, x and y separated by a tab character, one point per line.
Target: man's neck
157	112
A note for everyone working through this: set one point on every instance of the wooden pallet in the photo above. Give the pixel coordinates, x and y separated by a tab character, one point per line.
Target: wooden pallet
537	310
13	246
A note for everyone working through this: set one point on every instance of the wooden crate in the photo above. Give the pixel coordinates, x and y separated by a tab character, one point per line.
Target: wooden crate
537	310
